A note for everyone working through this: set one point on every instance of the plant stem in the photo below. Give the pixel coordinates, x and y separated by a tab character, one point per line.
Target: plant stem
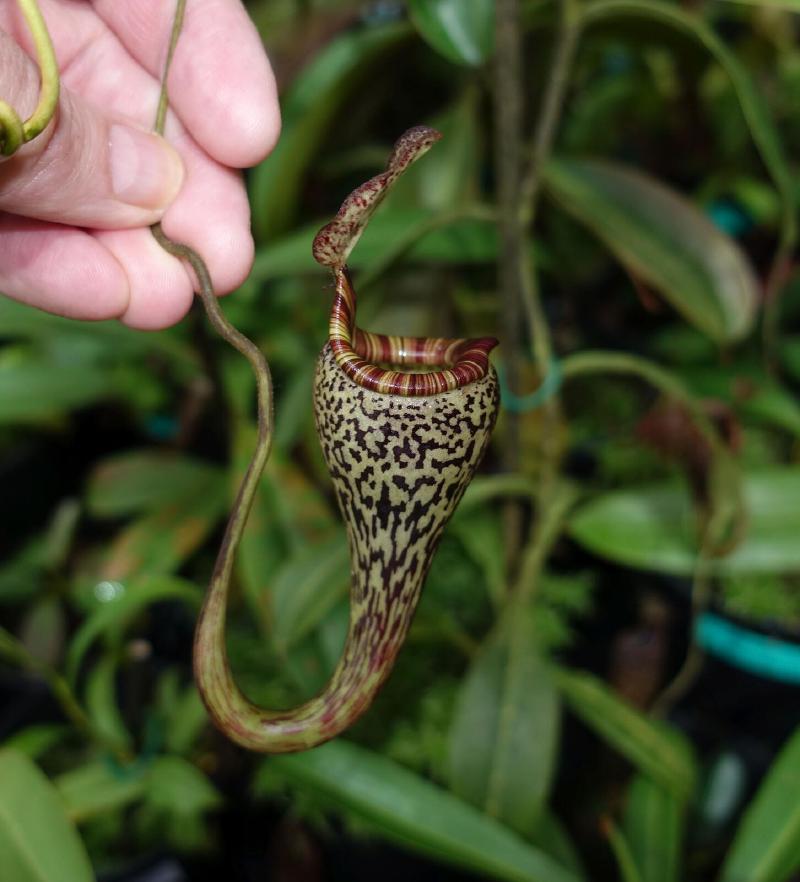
599	361
693	663
508	99
623	855
13	131
725	516
550	113
48	70
547	528
16	653
552	105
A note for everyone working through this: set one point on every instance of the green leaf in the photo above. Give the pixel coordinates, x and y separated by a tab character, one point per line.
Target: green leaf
18	320
407	809
311	106
651	747
42	631
430	237
187	719
178	787
483	489
21	577
34	741
121	607
482	538
754	109
461	32
654	828
653	527
307	587
39	389
99	787
144	480
551	836
504	736
159	542
789	351
621	849
101	702
766	847
788	5
750	390
663	239
37	841
300	509
449	177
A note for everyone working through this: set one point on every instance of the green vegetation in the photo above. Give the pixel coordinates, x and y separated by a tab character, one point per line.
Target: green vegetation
630	236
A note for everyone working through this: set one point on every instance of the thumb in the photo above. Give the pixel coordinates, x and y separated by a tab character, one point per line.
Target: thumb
85	169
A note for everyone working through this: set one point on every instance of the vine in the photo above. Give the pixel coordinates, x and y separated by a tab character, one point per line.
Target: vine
13	131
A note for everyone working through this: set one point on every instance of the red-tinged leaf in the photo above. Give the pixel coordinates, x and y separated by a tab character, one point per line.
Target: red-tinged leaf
335	241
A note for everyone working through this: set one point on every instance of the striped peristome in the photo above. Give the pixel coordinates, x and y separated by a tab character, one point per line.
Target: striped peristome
361	354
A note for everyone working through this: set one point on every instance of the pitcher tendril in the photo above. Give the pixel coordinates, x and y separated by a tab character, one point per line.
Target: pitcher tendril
13	131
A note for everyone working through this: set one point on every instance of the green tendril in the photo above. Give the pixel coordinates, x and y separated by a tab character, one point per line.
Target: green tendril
212	615
13	131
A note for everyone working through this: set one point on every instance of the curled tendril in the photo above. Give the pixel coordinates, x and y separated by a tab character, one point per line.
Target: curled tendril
13	131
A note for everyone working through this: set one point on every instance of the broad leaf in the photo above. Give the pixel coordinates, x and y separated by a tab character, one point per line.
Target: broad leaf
461	31
766	847
654	829
307	587
755	110
111	338
179	787
482	537
427	237
407	809
311	106
99	787
651	747
142	480
37	841
102	705
115	613
450	176
653	527
662	239
36	740
33	390
750	390
504	735
159	542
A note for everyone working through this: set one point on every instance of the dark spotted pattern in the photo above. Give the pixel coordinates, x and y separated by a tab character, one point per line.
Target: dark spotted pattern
399	467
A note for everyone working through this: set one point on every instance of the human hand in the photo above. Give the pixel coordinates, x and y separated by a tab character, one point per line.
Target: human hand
76	202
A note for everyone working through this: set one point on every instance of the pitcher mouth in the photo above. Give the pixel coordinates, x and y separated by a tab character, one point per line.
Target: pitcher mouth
362	354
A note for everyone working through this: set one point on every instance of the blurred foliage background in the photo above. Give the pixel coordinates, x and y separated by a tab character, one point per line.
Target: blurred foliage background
602	679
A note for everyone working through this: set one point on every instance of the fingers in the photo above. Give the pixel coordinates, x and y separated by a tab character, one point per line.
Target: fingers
85	169
68	175
212	215
211	212
116	274
60	270
160	289
221	85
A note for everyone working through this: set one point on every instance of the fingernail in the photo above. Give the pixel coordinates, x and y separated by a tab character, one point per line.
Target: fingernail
145	170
